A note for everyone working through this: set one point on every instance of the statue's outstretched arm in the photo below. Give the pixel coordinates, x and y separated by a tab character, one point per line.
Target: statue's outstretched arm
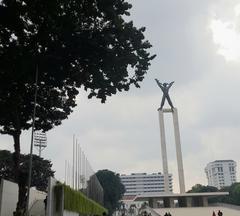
170	84
159	84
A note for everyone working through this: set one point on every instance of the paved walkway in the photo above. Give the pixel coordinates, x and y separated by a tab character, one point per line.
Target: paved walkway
198	211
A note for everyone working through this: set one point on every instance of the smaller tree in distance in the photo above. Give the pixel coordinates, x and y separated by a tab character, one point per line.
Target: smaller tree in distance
233	197
112	187
198	188
234	194
41	170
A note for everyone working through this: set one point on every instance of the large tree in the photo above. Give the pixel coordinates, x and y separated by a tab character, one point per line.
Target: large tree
112	187
41	169
72	44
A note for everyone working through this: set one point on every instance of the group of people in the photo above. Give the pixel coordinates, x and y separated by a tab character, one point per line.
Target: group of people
145	213
219	213
167	214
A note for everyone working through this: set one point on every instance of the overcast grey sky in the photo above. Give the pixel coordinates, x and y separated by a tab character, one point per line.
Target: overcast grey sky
198	46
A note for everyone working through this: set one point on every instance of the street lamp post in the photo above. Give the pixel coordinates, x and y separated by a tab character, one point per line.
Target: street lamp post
31	147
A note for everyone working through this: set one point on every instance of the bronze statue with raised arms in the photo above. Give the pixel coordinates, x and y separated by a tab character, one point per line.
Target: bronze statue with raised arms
165	89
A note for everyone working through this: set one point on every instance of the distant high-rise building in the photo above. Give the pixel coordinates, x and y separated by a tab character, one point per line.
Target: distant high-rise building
138	183
221	173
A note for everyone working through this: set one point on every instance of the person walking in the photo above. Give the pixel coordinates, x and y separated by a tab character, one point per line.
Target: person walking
220	213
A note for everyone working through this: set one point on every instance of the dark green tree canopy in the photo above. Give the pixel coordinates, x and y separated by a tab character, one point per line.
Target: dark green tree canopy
234	194
232	198
198	188
112	187
42	169
6	165
74	43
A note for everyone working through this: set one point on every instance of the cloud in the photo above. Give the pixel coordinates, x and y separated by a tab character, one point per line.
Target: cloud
227	37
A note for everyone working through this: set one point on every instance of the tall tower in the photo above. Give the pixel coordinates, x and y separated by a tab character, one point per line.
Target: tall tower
161	111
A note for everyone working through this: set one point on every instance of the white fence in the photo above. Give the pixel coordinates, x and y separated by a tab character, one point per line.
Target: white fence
9	196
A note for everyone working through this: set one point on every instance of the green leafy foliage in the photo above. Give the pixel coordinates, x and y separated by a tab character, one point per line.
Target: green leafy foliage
112	187
76	201
232	198
74	44
41	169
198	188
6	165
234	194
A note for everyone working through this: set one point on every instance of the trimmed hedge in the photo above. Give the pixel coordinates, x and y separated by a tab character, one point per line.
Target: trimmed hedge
76	201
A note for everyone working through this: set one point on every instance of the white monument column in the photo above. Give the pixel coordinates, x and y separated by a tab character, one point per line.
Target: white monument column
178	151
165	89
164	151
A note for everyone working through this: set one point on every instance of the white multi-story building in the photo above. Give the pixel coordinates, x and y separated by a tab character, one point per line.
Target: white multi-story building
221	173
138	183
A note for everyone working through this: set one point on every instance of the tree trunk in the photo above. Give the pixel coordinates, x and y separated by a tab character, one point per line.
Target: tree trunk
20	178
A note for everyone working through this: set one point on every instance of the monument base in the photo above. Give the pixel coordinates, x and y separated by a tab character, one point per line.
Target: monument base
173	200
